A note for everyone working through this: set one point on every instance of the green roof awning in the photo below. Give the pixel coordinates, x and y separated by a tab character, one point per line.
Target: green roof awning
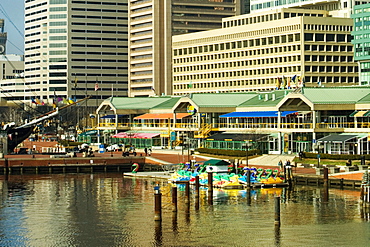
353	114
214	162
367	114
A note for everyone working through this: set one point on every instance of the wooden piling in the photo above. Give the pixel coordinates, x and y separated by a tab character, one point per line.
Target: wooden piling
174	199
277	210
197	185
157	204
187	192
326	176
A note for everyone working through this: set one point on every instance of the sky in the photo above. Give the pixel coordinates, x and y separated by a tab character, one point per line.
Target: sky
12	11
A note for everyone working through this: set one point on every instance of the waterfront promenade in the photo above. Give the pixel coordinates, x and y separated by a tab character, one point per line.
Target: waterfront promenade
165	156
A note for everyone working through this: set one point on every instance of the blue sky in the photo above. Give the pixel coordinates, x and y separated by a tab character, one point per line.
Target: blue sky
12	11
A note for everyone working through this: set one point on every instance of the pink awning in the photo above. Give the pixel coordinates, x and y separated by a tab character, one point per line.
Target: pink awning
135	135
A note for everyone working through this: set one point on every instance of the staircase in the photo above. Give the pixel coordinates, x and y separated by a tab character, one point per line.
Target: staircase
204	131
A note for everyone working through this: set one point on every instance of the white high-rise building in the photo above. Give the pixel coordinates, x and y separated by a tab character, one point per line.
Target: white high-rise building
74	47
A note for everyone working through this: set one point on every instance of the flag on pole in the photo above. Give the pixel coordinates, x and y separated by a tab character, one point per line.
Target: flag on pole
319	82
278	83
96	86
190	85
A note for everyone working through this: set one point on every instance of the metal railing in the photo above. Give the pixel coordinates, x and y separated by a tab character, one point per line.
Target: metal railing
196	126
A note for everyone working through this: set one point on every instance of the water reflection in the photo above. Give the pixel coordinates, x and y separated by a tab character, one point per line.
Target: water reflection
109	210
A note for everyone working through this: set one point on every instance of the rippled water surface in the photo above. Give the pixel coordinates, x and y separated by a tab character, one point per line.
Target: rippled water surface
109	210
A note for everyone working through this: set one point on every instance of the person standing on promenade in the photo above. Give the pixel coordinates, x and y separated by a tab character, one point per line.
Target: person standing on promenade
146	151
280	164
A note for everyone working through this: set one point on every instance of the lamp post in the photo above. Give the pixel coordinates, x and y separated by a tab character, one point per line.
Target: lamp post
318	147
247	145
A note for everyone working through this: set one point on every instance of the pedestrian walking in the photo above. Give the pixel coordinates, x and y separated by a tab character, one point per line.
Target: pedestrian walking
146	151
149	151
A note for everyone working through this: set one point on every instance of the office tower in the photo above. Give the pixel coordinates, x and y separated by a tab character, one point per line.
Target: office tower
75	48
152	25
361	42
3	37
281	48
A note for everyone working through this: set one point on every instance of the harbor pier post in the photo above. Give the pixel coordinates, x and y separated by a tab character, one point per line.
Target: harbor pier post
157	204
174	199
277	210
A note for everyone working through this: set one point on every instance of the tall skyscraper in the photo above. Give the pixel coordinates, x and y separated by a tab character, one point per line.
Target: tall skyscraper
76	48
3	38
152	25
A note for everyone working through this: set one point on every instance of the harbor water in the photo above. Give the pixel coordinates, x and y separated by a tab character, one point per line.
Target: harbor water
112	210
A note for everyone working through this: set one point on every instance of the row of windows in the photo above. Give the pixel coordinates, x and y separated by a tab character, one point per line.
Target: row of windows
99	17
61	52
331	69
32	48
31	62
98	38
266	71
238	73
101	3
32	27
99	10
274	51
98	53
329	48
99	67
271	82
238	64
316	58
36	12
60	30
32	34
99	24
239	44
56	9
239	54
58	16
58	23
98	60
36	19
97	31
99	46
58	38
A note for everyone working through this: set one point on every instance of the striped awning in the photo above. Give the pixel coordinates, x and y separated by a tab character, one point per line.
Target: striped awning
360	114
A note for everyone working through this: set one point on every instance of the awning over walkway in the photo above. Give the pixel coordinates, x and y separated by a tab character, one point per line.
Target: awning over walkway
236	137
162	116
364	113
256	114
112	116
135	135
336	138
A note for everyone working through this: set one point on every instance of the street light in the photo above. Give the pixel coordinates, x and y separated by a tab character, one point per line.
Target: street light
318	147
247	145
